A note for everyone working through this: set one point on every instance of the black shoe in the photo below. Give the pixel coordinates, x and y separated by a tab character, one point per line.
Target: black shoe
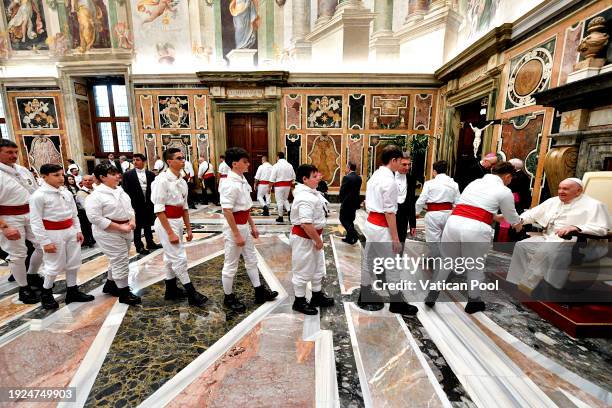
474	305
266	211
35	280
279	219
142	251
289	215
47	300
152	246
301	305
110	288
233	303
263	294
73	294
369	300
195	298
28	296
11	278
126	296
431	298
399	305
319	299
172	291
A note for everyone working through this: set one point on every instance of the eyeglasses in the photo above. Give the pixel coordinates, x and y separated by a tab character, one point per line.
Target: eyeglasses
181	158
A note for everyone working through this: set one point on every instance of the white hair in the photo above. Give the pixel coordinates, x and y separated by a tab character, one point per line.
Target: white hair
517	163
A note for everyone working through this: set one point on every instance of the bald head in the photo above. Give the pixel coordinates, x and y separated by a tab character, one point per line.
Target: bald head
569	189
489	160
88	181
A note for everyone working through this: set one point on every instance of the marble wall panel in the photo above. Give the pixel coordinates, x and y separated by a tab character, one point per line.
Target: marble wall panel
354	151
356	111
422	111
150	149
87	135
520	139
293	149
200	111
293	111
573	36
44	149
324	151
173	111
182	142
389	111
375	145
37	112
203	146
324	111
146	111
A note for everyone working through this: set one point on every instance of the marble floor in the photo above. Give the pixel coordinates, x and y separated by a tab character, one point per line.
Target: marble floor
165	353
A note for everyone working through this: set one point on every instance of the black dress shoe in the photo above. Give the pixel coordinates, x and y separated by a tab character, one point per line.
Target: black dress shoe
153	246
73	294
11	278
266	211
474	305
301	305
399	305
28	296
110	288
369	300
126	296
142	251
194	297
35	280
47	300
431	298
319	299
263	294
279	219
234	303
173	292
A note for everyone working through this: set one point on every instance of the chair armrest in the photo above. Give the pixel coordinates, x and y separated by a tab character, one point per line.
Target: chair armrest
583	237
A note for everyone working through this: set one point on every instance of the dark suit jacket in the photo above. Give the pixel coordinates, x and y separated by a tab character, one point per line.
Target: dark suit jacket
143	207
407	207
116	163
349	191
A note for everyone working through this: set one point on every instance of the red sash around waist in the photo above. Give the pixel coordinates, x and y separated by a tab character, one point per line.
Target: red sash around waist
299	231
120	222
474	213
14	209
377	218
223	176
57	225
241	217
283	184
439	206
208	175
264	182
174	211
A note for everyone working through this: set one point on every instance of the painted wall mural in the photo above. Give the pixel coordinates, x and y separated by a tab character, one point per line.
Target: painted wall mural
41	150
324	111
389	111
529	73
422	111
573	35
37	113
26	25
324	152
293	111
173	111
240	21
88	24
357	111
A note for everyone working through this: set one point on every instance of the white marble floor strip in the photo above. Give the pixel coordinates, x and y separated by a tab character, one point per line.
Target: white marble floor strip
486	372
363	379
353	272
325	371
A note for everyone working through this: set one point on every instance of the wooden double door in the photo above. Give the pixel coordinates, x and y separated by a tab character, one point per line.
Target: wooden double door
249	131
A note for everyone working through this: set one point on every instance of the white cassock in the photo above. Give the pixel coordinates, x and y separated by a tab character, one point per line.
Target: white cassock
282	176
438	191
54	218
532	261
235	194
224	170
381	198
307	263
169	195
464	237
17	184
103	206
263	175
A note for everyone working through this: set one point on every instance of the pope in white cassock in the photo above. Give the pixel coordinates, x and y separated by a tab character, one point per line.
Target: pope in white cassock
570	211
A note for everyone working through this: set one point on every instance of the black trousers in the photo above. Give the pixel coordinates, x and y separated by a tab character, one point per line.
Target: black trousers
209	184
401	218
86	228
191	194
138	234
347	219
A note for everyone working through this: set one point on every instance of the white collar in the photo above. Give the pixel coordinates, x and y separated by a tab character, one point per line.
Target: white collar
170	175
387	170
50	189
9	169
140	170
234	176
494	178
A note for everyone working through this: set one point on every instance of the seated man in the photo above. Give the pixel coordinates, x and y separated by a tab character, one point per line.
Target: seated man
569	212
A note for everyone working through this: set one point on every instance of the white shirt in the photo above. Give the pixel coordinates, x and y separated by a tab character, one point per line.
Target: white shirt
142	179
17	184
126	165
382	191
167	189
188	168
224	168
590	215
81	196
402	187
282	171
159	165
205	168
490	194
440	189
52	204
308	207
106	204
264	172
235	193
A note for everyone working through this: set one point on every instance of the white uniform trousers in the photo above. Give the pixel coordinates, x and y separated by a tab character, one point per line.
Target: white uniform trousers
263	194
232	257
66	258
17	250
116	246
307	265
282	199
434	225
465	238
378	245
175	256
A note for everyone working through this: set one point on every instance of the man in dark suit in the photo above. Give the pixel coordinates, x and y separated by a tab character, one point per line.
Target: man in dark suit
137	184
113	162
350	202
406	214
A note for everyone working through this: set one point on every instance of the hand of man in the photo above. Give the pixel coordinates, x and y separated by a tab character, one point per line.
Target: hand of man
566	230
12	234
318	244
173	238
49	248
518	227
413	232
498	218
189	235
80	237
397	246
239	240
132	225
254	232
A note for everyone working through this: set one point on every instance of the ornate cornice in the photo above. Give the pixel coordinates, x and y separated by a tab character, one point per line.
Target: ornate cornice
243	78
587	93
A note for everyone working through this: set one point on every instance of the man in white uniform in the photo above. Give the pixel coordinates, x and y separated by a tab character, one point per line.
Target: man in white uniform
223	170
239	230
380	230
169	197
159	165
262	184
125	164
282	176
307	256
571	211
109	209
55	223
17	185
438	197
189	175
206	174
468	232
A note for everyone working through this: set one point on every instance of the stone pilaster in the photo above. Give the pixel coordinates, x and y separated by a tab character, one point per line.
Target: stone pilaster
417	10
301	48
384	47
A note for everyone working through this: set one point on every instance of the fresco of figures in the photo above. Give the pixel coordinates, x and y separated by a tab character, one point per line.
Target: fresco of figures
26	25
